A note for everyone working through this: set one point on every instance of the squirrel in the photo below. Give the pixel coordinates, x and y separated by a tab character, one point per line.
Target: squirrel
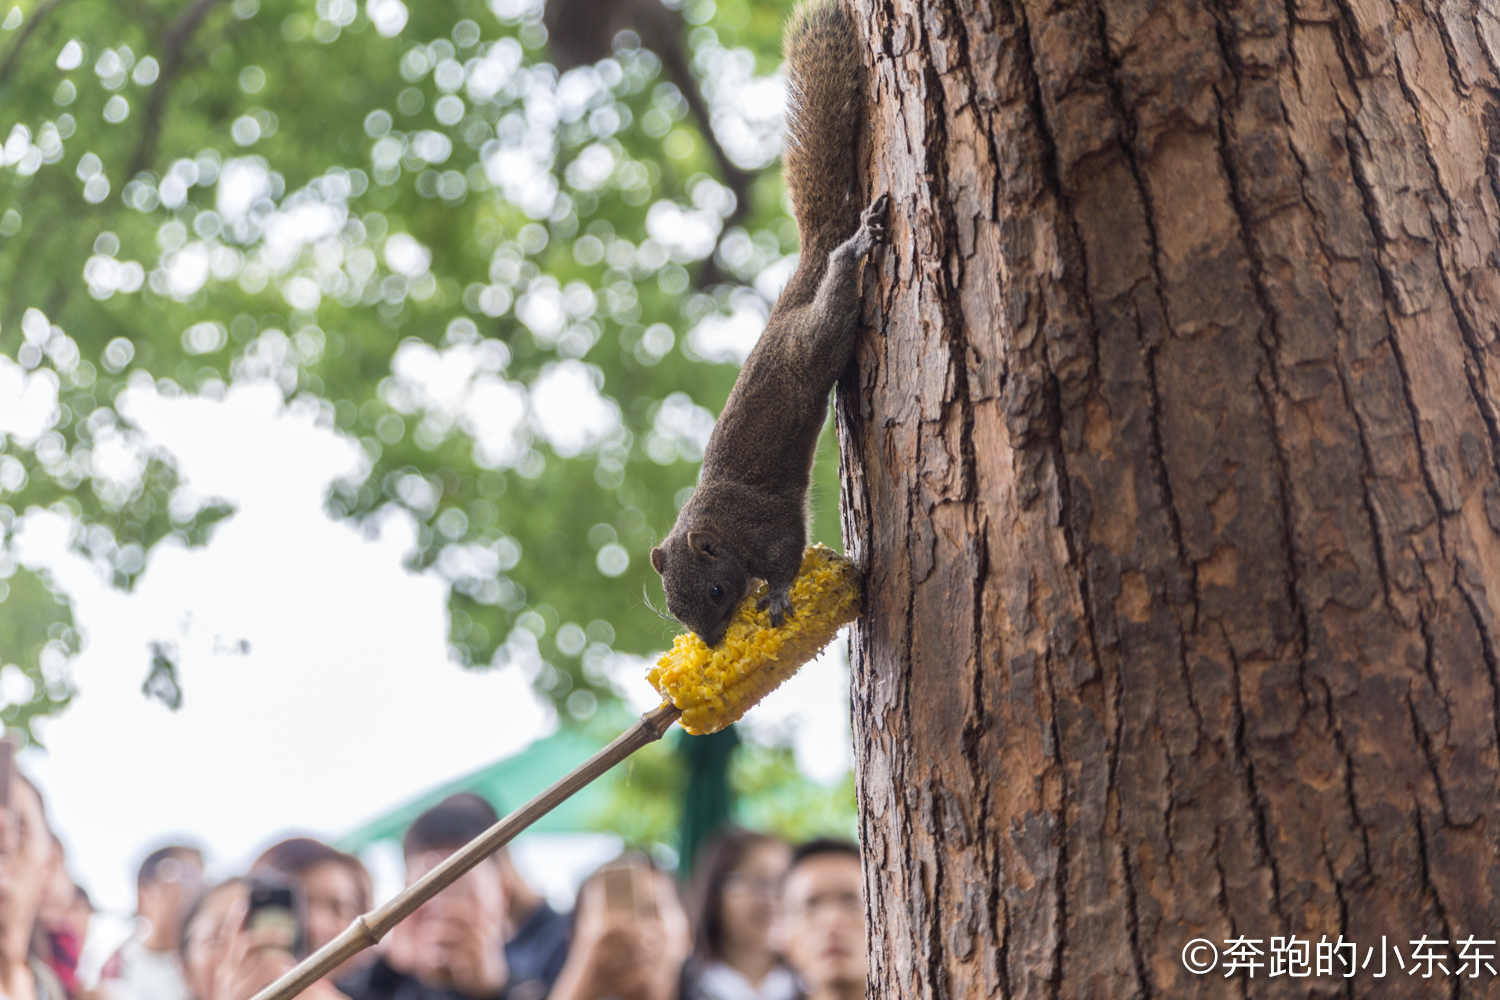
747	519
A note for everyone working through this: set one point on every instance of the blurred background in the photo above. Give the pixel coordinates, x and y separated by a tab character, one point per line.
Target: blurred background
352	358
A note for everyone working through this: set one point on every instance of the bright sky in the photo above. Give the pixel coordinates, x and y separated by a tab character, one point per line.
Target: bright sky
346	703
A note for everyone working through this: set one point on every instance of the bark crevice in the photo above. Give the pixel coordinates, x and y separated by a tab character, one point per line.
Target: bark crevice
1273	396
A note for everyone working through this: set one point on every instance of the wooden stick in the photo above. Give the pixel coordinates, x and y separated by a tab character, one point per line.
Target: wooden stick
371	927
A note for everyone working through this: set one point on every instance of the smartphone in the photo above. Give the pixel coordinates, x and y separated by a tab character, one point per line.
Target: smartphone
276	906
628	888
619	888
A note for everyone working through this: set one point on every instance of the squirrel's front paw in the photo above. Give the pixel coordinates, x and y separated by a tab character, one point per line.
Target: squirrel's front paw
780	606
872	220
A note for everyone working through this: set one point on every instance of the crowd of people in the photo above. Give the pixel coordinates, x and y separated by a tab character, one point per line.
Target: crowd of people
760	919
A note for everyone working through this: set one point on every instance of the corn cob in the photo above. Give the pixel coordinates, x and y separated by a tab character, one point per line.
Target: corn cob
715	686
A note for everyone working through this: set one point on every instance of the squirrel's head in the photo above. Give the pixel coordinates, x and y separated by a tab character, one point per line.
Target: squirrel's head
703	581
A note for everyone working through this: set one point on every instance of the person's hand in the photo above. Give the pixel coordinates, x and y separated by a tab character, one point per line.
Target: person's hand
473	952
633	955
615	950
401	948
624	954
599	949
248	961
458	937
252	960
608	953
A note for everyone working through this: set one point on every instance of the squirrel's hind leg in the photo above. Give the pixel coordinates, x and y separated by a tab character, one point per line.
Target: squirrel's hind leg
828	321
838	293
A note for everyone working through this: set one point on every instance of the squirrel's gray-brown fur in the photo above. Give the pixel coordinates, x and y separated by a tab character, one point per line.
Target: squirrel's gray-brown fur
748	517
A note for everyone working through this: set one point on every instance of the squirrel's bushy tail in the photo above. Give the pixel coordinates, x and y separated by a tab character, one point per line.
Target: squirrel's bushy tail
825	79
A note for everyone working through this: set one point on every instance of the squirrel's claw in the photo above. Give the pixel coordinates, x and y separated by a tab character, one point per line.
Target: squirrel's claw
872	220
872	231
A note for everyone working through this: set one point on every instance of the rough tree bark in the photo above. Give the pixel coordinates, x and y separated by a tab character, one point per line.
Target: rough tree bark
1172	451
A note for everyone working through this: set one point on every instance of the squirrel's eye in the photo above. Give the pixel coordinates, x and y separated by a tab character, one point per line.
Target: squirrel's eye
716	592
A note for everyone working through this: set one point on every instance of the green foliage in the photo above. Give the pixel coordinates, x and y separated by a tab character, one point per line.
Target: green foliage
645	795
775	797
36	638
195	193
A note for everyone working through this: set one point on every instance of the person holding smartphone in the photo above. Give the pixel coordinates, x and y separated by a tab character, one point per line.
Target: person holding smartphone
334	889
453	946
630	936
240	937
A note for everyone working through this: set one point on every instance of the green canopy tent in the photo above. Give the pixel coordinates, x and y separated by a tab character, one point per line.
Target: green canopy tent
505	784
706	806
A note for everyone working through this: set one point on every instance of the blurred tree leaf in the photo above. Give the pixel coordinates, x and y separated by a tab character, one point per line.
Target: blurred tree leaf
162	682
36	638
774	796
645	797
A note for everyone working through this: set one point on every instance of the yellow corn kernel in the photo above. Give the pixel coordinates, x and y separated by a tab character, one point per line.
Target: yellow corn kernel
715	686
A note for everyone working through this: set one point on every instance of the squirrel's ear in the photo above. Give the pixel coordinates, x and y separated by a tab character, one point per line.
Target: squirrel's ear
658	560
702	542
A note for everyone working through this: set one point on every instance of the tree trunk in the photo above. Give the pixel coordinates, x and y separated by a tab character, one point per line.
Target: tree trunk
1171	448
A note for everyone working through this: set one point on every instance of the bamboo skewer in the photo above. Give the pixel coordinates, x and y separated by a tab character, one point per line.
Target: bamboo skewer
371	927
